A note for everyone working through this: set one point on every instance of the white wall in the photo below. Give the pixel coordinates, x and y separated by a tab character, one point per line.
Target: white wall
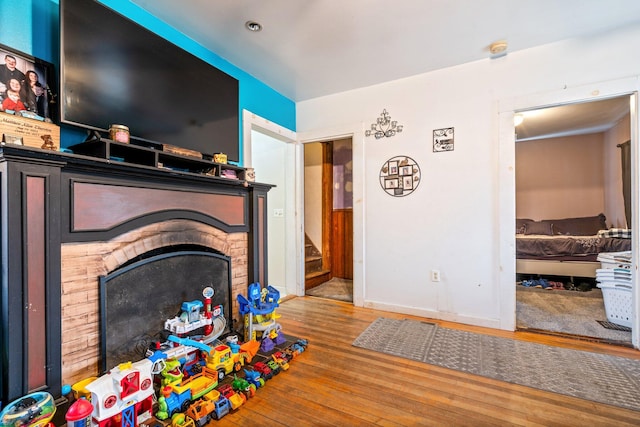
451	222
313	193
560	177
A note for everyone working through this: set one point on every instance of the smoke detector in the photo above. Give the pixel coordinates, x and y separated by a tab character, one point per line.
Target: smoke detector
498	48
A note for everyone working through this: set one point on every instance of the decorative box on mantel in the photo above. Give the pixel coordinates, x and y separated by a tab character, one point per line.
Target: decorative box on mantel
182	151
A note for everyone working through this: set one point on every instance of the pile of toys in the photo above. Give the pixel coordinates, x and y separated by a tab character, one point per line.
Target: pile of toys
184	381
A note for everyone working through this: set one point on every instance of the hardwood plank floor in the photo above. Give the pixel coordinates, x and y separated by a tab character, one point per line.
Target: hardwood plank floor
336	384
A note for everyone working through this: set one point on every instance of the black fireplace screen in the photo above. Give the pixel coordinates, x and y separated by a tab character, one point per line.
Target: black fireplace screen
136	300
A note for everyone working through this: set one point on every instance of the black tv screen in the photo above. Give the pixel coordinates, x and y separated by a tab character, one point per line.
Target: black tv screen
114	71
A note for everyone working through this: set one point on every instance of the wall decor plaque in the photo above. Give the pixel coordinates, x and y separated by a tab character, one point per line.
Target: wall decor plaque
443	140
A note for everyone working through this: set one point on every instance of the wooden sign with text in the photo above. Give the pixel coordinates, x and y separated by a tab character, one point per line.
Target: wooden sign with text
28	132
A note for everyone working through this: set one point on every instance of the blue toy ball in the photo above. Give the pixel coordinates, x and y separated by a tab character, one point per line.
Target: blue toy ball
66	389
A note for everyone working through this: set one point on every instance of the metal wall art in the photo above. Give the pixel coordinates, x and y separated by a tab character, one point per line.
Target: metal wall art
443	140
400	176
384	127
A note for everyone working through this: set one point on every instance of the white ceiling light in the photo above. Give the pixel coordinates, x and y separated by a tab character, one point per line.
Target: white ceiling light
253	26
518	119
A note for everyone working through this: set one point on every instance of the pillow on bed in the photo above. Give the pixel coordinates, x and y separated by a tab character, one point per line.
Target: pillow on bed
538	227
584	226
521	224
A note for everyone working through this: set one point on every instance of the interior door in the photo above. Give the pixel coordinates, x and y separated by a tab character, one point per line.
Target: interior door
342	210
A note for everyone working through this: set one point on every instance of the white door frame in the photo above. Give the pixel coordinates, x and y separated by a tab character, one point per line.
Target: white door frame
252	122
356	133
506	183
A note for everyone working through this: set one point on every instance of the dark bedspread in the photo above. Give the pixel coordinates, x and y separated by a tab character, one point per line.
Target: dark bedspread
567	248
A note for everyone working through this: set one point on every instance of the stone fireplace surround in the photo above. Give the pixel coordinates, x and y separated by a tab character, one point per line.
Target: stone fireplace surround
68	219
83	263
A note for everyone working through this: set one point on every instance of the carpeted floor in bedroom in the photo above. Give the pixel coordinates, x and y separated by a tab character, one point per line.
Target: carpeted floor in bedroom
565	312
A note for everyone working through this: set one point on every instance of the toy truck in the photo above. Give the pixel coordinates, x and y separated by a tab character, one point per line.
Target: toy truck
241	385
212	406
254	377
223	360
235	399
219	358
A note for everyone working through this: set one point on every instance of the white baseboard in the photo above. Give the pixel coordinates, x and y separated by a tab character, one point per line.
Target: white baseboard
434	314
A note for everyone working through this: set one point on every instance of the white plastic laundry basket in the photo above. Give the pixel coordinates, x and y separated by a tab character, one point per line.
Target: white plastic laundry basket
617	303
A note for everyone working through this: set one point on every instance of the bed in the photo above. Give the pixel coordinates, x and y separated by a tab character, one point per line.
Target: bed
566	247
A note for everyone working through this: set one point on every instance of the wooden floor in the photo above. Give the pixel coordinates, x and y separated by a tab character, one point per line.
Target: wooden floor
336	384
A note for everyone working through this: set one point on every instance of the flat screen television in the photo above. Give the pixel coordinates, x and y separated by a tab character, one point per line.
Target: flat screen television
114	71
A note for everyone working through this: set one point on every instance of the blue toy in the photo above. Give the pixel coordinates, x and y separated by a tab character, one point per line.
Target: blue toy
254	377
259	311
33	410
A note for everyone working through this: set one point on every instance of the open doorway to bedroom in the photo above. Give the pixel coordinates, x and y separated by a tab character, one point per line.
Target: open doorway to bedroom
573	216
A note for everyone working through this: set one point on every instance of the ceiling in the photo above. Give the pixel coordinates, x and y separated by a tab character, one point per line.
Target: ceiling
312	48
574	119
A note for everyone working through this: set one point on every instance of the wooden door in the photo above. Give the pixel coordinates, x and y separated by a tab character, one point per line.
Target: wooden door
342	243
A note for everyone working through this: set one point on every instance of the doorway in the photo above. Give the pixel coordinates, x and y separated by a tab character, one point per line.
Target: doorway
272	151
568	167
328	219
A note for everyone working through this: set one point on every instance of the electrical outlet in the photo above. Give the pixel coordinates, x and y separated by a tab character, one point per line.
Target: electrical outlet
278	213
435	275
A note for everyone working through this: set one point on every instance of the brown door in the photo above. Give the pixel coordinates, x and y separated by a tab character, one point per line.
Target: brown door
340	217
342	244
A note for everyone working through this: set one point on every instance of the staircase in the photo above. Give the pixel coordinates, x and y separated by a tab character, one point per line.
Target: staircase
314	274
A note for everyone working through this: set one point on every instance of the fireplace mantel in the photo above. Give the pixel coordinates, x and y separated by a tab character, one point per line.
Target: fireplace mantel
51	199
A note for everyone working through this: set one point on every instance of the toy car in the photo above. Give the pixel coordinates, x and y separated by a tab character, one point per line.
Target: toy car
275	368
264	370
284	365
235	399
241	385
284	355
254	378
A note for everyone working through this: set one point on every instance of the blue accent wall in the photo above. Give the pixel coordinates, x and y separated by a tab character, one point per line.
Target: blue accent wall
32	27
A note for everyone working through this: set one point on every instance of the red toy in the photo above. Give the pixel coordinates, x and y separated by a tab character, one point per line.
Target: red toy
79	414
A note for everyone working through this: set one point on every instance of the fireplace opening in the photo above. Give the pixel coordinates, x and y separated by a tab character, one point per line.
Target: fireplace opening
138	297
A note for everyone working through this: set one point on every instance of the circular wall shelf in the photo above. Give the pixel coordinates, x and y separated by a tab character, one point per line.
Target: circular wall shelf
400	176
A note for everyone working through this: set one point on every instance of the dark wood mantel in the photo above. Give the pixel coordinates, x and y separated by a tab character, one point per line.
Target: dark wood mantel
49	198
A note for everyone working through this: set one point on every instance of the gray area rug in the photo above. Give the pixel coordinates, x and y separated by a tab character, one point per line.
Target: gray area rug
591	376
